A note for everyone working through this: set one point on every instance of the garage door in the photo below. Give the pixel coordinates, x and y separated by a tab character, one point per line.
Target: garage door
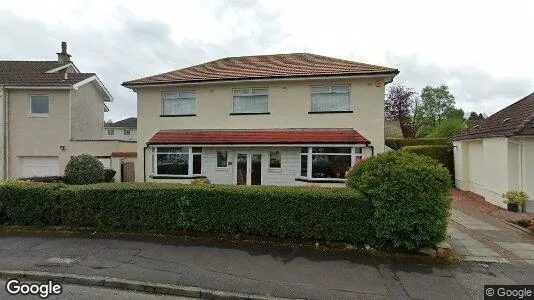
106	162
39	166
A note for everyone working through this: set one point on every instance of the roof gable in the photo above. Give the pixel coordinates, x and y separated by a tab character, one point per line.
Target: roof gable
129	122
262	67
34	73
516	119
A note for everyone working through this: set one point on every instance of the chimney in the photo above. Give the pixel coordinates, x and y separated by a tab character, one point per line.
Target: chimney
63	57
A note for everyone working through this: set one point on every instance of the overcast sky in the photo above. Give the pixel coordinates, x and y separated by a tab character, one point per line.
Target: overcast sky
484	50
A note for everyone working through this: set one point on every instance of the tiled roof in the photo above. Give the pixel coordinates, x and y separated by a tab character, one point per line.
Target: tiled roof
130	122
264	66
260	136
33	73
514	120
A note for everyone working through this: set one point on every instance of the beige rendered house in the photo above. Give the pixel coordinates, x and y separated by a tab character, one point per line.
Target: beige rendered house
124	130
50	111
283	119
497	155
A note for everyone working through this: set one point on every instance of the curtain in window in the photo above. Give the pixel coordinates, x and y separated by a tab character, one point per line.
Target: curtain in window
251	104
330	101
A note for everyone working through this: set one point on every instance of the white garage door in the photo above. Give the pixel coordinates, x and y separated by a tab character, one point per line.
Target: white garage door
106	162
39	166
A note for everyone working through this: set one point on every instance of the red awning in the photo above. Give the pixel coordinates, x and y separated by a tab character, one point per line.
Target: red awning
260	136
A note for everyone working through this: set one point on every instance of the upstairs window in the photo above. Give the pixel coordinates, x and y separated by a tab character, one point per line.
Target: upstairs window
253	101
39	105
127	132
326	98
111	132
179	103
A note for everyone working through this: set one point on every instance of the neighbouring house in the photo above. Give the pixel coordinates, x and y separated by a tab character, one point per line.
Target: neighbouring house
392	129
497	155
124	130
50	111
282	119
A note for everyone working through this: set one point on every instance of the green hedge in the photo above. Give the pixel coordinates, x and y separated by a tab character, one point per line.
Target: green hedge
410	195
442	153
397	144
331	214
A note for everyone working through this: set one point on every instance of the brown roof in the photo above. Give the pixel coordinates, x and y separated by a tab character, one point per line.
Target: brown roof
514	120
33	73
264	66
130	122
259	136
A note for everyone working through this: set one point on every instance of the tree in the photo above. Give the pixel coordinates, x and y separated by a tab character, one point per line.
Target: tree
473	116
447	128
436	103
399	106
455	113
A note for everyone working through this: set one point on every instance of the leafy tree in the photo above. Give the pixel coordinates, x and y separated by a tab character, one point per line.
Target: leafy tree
473	116
447	128
399	106
436	103
455	113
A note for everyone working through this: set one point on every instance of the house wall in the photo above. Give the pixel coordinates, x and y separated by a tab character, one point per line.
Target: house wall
289	104
119	133
87	113
2	133
528	166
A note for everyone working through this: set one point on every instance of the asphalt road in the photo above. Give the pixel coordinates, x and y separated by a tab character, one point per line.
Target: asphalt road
288	273
88	293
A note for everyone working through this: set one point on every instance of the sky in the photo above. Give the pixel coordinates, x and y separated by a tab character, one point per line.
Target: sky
483	50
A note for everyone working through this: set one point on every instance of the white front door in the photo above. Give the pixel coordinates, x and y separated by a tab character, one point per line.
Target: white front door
31	166
248	169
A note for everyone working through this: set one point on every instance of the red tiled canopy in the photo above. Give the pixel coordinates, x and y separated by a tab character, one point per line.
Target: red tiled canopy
260	136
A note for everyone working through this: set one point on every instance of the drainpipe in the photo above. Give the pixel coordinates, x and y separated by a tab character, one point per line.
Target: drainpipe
144	163
6	135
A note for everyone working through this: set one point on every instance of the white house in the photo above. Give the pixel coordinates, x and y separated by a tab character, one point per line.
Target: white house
123	130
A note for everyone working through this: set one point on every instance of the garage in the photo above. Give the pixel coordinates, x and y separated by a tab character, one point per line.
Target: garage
39	166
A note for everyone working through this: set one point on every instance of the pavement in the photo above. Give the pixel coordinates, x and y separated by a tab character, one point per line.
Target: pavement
291	273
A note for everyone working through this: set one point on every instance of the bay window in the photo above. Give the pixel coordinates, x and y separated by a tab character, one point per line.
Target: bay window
177	161
327	162
330	98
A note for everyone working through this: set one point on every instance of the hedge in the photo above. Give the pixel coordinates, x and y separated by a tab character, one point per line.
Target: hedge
441	153
410	195
396	143
329	214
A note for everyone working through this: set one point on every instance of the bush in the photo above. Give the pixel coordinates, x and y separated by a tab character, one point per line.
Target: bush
109	175
397	144
84	169
441	153
329	214
47	179
200	181
517	197
410	195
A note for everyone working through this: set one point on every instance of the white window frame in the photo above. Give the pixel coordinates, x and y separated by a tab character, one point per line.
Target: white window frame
38	115
330	91
354	156
178	98
269	156
111	132
190	154
217	159
127	132
249	94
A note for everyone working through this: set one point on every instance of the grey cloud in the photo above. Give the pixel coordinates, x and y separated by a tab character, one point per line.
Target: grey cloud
135	49
474	89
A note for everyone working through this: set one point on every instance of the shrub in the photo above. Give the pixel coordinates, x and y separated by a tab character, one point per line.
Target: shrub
47	179
109	175
441	153
84	169
330	214
410	195
397	144
518	197
200	181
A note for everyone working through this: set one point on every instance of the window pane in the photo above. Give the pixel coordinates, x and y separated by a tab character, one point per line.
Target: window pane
331	150
340	88
251	104
319	89
187	95
330	166
39	104
111	132
304	150
241	91
126	132
222	159
173	164
358	150
168	95
180	106
197	164
260	91
275	159
304	165
197	149
172	150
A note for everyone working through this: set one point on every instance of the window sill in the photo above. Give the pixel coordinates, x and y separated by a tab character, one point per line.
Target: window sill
331	112
38	116
176	176
250	113
187	115
277	170
325	180
221	169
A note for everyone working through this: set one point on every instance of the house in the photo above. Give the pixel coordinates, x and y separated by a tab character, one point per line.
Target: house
392	129
50	111
125	130
497	155
285	119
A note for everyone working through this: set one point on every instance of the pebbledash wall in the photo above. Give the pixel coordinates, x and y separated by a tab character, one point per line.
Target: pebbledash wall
491	166
289	104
